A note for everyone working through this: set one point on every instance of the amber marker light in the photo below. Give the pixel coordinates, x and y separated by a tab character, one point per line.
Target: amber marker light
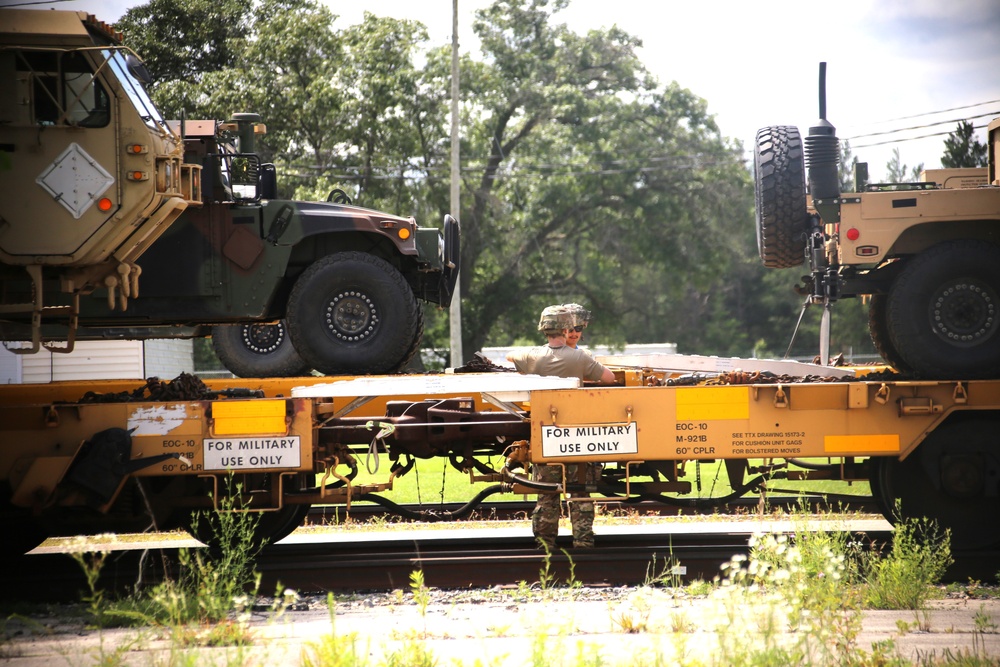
404	233
853	234
104	204
137	149
137	176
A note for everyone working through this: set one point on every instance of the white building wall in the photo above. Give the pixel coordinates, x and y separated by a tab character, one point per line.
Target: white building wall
10	366
89	360
100	360
166	358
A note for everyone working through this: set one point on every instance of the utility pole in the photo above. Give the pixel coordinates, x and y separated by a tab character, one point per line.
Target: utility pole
455	319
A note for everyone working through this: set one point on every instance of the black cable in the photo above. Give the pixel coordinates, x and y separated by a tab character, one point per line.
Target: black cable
432	514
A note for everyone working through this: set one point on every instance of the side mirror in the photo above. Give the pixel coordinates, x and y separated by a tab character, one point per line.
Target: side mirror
137	68
268	182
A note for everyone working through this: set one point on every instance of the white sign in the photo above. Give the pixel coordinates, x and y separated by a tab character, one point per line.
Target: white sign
244	453
589	440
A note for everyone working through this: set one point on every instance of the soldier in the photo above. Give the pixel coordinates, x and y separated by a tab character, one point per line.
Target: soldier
581	514
557	358
581	318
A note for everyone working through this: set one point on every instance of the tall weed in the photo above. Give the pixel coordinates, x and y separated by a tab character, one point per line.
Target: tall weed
904	578
334	650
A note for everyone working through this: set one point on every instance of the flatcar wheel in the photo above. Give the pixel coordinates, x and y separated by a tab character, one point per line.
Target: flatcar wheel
952	477
271	525
884	506
22	532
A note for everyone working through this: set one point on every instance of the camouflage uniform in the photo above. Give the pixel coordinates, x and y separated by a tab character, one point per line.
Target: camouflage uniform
545	517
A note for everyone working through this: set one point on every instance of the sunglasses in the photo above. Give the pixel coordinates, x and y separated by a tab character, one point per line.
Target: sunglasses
577	329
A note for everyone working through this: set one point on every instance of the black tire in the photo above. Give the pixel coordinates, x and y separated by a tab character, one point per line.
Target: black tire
944	311
878	327
951	478
257	350
22	531
780	196
417	339
353	313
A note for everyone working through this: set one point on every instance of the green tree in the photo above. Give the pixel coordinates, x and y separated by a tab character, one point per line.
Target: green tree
847	166
292	66
378	114
898	172
181	40
589	182
583	178
962	149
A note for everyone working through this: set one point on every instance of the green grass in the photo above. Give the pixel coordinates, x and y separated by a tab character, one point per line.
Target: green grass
430	482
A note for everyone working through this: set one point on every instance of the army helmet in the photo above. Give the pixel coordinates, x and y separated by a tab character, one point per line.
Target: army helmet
581	316
555	319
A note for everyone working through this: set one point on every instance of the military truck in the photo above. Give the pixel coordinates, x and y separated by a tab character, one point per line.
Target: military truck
90	175
926	254
281	286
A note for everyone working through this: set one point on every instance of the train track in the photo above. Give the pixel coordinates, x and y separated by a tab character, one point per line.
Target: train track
502	561
451	561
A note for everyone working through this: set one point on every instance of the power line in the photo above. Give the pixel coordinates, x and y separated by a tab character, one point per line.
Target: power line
35	2
932	113
922	136
991	114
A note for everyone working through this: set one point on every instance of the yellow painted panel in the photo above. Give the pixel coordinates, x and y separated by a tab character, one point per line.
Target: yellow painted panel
257	417
711	403
861	443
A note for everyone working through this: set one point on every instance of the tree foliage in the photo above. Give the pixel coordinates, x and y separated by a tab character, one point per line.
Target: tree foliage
962	149
182	40
583	178
898	172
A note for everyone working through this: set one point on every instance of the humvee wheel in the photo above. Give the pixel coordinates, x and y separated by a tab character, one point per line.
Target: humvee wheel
944	311
257	350
878	328
418	336
353	313
952	477
780	196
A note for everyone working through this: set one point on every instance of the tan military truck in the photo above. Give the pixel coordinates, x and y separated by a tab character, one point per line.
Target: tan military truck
91	174
927	253
91	177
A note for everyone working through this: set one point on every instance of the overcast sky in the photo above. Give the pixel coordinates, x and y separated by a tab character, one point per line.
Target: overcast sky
892	64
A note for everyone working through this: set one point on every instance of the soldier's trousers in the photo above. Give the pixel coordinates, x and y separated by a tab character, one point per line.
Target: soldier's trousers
545	517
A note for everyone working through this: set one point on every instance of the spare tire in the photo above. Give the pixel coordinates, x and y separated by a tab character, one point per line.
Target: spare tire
780	196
